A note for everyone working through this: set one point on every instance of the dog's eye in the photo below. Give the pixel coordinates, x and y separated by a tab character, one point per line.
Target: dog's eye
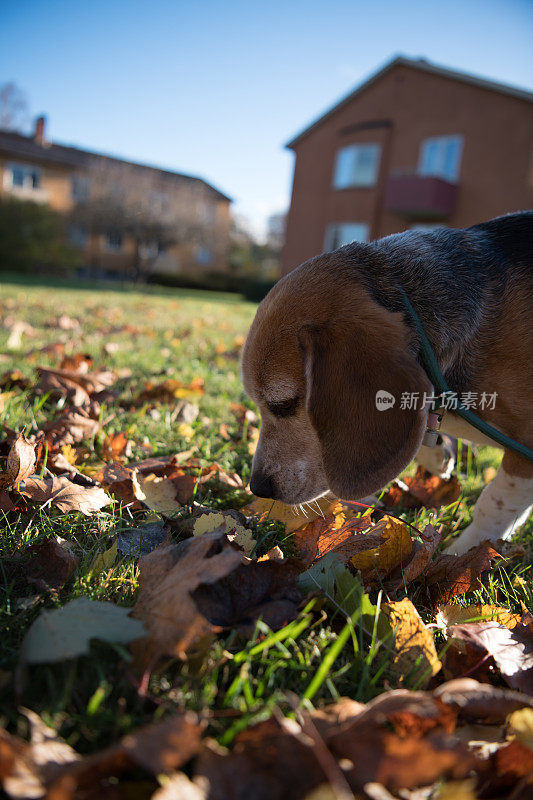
285	408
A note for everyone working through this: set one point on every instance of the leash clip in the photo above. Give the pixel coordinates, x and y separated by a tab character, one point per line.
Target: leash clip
434	421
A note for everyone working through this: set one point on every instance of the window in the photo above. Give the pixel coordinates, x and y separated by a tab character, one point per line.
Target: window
159	202
203	255
114	241
23	176
77	235
356	165
341	233
441	157
79	187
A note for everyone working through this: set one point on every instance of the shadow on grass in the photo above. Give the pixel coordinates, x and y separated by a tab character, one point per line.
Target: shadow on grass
122	287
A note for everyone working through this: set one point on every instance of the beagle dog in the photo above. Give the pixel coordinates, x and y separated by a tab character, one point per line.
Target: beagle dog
333	361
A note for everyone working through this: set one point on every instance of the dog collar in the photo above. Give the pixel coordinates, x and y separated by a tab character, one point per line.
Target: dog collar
436	377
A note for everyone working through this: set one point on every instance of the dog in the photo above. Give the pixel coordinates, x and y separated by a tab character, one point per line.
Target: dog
334	335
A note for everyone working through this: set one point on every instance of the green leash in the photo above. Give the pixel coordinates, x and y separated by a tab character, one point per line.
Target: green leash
438	381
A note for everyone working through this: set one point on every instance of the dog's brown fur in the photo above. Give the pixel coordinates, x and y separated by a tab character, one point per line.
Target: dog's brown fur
321	337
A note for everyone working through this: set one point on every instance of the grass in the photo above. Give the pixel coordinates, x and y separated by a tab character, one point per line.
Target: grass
320	656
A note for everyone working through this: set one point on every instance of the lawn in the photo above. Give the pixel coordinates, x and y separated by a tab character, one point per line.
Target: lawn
192	341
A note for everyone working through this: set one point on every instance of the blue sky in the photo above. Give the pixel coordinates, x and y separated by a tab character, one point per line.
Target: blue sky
216	88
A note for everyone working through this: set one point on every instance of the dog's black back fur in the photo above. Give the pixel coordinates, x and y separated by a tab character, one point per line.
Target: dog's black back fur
455	278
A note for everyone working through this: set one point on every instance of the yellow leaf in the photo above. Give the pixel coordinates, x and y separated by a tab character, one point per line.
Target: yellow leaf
237	533
415	655
395	549
453	614
289	515
69	453
186	431
104	561
159	494
520	726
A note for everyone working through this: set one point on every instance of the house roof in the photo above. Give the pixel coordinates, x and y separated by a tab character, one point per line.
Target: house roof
422	65
15	145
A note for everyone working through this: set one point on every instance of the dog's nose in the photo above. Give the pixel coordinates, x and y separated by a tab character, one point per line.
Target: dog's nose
261	485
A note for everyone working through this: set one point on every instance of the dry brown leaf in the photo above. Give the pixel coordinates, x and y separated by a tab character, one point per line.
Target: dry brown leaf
20	462
64	494
50	564
255	589
481	702
325	534
449	575
179	787
422	490
415	656
74	386
27	768
401	751
73	426
158	748
473	644
271	760
168	575
79	363
115	445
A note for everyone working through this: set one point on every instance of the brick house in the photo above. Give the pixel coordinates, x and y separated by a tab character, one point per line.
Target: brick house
183	222
415	146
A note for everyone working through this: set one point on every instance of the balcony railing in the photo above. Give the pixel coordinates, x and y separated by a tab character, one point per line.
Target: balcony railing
420	196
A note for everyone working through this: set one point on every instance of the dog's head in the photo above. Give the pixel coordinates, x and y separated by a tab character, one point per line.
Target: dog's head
322	360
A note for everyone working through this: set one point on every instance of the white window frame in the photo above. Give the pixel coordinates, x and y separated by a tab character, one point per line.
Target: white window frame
346	165
440	169
334	239
27	183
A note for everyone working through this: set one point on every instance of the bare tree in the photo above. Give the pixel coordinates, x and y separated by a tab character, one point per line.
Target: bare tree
13	107
133	202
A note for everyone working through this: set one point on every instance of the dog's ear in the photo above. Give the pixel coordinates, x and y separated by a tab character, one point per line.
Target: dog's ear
349	367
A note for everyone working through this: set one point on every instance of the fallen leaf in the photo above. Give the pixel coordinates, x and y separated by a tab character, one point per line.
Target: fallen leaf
179	787
65	494
104	561
205	523
80	363
158	749
28	767
387	545
454	614
20	462
115	445
50	564
327	534
401	750
255	589
449	575
511	650
159	494
272	760
73	426
481	702
74	386
415	656
168	575
67	632
422	490
421	555
274	509
520	726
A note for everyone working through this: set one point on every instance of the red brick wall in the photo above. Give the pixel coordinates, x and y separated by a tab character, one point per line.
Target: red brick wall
496	173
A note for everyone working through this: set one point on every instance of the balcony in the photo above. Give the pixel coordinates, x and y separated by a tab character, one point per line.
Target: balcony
419	197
